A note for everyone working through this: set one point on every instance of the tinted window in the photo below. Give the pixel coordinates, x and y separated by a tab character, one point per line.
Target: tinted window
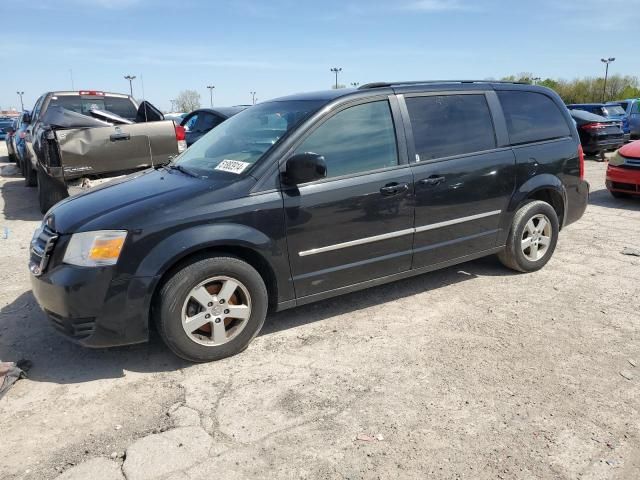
118	105
447	125
636	108
208	121
357	139
190	124
36	109
613	110
532	117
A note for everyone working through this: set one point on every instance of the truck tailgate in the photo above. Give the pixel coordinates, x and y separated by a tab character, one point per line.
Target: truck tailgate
99	150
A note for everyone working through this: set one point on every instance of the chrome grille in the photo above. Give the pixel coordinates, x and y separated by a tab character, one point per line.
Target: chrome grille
42	246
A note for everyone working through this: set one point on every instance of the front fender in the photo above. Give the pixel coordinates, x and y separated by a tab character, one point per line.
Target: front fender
185	242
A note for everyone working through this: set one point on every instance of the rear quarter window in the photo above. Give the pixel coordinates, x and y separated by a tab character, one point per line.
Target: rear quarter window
532	117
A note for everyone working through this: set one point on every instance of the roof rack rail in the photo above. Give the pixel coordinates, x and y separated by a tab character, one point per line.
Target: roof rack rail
368	86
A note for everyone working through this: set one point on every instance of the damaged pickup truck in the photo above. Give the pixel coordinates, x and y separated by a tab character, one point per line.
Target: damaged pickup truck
76	140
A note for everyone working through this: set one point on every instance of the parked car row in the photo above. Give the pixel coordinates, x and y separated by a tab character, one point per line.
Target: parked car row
308	197
15	140
606	126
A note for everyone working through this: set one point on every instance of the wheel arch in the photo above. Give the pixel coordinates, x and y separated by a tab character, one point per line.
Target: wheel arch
545	187
240	241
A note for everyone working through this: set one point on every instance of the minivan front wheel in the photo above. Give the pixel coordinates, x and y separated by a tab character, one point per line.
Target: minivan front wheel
211	308
532	239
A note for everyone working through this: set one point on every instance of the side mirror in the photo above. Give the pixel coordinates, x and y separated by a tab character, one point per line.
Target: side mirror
26	118
304	167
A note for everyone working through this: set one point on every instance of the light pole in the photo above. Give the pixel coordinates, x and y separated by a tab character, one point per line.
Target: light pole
211	87
355	84
606	61
21	104
253	98
174	105
535	80
131	78
336	70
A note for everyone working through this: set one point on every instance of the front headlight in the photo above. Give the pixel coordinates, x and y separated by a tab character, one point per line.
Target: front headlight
617	159
93	249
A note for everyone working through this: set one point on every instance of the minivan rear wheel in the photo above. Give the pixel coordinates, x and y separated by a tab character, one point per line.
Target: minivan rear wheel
532	239
211	308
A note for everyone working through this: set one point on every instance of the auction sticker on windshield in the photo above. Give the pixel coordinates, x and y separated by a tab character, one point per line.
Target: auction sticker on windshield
232	166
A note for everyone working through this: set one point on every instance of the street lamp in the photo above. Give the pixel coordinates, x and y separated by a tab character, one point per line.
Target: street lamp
253	98
355	84
535	80
606	61
336	70
21	104
211	87
131	78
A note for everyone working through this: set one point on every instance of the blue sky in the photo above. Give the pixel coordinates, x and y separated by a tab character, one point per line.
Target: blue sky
277	47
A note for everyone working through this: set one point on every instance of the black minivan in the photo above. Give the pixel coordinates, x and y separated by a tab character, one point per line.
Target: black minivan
307	197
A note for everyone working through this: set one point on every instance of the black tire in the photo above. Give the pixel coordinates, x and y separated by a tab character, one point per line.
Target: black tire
48	193
618	194
12	157
513	256
23	167
30	176
174	293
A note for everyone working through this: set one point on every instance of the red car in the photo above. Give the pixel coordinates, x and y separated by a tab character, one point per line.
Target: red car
623	172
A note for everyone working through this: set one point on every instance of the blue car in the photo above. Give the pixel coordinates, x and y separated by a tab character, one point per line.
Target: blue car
610	111
6	124
17	148
632	107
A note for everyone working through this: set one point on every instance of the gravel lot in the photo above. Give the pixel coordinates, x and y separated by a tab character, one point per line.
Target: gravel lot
470	372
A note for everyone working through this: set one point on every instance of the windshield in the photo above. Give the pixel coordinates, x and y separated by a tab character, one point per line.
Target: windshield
238	143
613	110
121	106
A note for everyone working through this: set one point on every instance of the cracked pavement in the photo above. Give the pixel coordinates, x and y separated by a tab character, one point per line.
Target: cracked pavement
469	372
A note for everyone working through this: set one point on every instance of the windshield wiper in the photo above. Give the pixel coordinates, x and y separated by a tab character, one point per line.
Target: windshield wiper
180	168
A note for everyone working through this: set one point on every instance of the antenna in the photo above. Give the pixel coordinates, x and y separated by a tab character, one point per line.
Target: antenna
144	102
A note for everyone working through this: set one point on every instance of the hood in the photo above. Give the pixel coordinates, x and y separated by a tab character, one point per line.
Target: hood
631	150
140	199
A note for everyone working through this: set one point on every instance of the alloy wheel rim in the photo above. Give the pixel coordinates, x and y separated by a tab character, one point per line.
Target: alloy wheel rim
536	237
216	310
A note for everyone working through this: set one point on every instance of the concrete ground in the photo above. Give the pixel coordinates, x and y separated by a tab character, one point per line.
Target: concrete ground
470	372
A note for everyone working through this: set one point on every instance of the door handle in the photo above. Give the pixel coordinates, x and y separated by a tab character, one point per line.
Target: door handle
432	180
116	137
394	188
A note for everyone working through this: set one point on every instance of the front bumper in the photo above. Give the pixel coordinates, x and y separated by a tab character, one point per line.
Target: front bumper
93	306
623	179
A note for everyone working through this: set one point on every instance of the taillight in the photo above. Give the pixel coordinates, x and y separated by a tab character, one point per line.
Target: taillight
23	134
181	137
581	161
594	126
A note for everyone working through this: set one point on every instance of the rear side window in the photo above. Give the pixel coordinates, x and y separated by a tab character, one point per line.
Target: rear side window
532	117
446	125
358	139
